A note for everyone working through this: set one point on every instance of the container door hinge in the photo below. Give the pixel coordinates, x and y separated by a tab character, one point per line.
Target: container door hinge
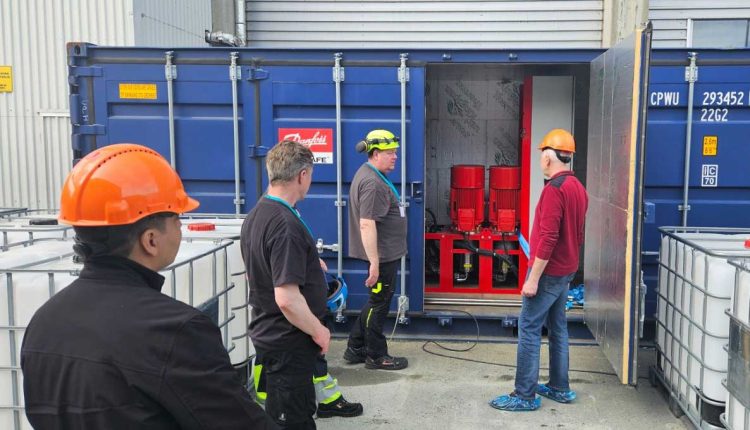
82	72
256	74
90	129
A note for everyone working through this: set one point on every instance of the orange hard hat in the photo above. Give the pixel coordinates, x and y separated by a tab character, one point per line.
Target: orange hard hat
120	184
560	140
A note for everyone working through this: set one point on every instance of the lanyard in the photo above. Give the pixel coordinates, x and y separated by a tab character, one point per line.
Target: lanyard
293	210
387	181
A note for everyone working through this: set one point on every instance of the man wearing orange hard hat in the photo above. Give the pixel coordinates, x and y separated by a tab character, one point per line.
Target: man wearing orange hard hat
556	238
110	351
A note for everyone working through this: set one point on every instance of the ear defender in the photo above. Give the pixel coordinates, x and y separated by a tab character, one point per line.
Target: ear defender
361	146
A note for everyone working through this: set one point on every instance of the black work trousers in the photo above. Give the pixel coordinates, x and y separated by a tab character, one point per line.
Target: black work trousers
367	331
288	383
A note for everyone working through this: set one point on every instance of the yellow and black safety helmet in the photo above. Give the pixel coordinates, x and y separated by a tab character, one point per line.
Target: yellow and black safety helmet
378	139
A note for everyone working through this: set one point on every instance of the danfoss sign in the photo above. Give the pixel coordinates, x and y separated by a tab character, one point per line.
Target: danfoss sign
319	140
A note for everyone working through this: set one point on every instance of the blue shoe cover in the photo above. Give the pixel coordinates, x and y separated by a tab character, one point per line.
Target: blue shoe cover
512	403
556	395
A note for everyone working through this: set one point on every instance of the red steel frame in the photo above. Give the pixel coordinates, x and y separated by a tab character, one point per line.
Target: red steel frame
486	238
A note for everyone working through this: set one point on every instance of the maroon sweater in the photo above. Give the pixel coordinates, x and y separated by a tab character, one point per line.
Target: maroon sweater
559	219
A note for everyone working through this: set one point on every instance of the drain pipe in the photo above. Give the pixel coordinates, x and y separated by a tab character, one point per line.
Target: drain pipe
691	76
338	77
235	74
403	78
170	73
240	24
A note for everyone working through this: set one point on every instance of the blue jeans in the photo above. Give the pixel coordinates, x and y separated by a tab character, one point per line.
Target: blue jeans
548	308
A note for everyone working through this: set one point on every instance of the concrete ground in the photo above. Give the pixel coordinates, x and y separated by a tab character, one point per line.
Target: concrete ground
440	393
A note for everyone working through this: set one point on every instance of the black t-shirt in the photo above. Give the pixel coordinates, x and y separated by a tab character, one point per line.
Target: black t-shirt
278	250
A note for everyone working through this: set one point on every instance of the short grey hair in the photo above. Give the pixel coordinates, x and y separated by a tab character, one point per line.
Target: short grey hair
285	160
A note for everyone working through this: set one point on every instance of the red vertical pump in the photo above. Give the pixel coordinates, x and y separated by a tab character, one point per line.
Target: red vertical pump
467	197
505	184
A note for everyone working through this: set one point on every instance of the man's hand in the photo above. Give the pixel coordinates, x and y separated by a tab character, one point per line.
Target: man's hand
530	288
373	276
322	338
323	265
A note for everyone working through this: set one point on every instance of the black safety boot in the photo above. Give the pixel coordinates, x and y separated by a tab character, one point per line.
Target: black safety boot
387	362
354	355
339	408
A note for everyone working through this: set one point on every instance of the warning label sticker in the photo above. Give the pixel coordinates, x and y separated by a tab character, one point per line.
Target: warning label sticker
6	79
710	145
138	91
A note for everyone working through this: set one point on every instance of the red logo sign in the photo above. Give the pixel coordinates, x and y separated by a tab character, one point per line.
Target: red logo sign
317	139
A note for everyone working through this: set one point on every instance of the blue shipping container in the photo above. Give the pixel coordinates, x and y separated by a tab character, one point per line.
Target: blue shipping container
719	182
151	97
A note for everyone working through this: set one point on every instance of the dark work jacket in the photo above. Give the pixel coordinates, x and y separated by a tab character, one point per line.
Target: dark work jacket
111	351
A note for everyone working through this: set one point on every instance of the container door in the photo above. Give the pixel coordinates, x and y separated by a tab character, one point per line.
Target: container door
125	97
299	102
614	182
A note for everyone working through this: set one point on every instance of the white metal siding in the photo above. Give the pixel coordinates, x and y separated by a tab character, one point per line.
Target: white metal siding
35	151
452	24
171	22
670	17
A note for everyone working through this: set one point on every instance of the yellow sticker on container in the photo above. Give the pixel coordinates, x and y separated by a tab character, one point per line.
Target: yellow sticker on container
710	145
138	91
6	79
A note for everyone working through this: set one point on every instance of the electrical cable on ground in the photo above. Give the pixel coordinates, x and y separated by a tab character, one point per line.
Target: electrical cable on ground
475	343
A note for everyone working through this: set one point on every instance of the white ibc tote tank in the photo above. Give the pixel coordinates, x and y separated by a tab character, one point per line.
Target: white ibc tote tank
737	414
695	287
30	275
26	226
211	228
22	291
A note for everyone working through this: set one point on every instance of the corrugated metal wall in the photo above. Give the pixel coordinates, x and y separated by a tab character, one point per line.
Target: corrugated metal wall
670	17
35	152
171	22
464	24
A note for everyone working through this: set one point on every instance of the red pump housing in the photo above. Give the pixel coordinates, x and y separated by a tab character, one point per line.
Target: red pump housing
505	185
467	197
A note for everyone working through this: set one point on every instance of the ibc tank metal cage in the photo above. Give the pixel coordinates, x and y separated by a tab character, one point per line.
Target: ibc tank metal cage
695	288
49	274
22	227
737	383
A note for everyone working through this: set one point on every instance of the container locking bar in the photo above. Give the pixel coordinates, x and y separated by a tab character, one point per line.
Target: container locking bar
235	74
691	76
170	73
403	78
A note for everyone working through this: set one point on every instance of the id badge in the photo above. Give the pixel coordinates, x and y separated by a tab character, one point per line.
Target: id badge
402	211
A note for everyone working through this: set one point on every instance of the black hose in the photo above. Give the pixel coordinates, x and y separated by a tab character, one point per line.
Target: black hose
465	244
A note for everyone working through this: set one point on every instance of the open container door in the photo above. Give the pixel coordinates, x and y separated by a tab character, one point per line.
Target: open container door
616	139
